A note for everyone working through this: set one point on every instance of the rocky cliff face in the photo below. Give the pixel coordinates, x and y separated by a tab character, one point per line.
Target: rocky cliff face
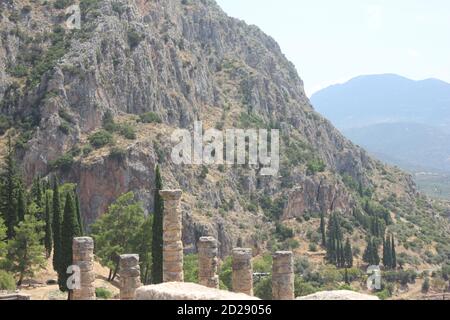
184	61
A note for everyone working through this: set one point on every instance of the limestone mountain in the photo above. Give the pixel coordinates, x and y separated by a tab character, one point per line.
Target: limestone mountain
97	107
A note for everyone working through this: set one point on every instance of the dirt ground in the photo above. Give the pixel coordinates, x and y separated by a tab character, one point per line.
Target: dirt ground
38	288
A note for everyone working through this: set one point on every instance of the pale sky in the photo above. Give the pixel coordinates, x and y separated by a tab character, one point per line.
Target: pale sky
333	41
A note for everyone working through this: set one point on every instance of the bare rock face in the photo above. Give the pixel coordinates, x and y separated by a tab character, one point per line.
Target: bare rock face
318	194
186	291
339	295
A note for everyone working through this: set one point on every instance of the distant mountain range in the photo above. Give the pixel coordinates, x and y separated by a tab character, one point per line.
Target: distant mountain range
401	121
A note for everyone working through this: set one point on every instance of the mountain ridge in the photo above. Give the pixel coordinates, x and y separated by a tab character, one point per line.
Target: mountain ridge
184	61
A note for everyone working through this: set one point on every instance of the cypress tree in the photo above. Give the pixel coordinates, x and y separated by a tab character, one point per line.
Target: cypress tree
341	262
56	228
322	229
375	255
331	241
387	253
69	230
79	219
157	241
9	178
20	203
145	249
48	239
394	254
347	281
371	256
348	254
335	249
37	196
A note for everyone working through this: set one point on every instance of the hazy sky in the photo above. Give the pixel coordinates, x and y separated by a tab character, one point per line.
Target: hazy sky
332	41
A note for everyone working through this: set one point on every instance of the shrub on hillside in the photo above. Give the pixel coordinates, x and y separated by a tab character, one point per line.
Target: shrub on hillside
100	139
150	117
7	281
63	163
103	293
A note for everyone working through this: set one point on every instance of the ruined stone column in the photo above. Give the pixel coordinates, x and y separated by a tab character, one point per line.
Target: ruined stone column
172	243
242	271
207	262
130	276
283	276
83	257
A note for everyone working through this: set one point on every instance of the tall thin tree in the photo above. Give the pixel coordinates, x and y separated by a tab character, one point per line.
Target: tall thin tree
322	229
21	203
394	253
9	180
157	242
79	218
69	230
56	227
348	253
48	238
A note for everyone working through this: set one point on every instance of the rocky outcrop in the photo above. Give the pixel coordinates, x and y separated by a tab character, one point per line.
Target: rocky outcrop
318	194
339	295
186	291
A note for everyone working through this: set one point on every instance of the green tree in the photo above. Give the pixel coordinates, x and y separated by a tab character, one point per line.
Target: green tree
157	244
79	218
263	288
25	251
371	253
348	254
426	285
387	253
37	196
117	231
190	268
394	254
9	180
3	231
322	229
20	203
335	249
145	249
69	230
56	228
48	238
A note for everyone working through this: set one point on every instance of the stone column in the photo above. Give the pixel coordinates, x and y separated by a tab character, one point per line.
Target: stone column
242	271
130	276
283	276
83	257
172	243
208	262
